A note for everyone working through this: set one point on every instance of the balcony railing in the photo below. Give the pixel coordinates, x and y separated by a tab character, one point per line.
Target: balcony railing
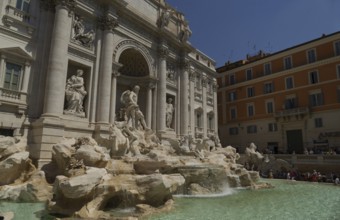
292	112
14	98
15	16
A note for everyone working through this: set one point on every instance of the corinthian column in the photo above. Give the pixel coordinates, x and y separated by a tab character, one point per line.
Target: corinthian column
104	89
192	102
115	74
149	90
204	98
215	86
185	66
57	65
163	53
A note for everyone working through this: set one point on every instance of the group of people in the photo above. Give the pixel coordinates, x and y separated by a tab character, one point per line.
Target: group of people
313	176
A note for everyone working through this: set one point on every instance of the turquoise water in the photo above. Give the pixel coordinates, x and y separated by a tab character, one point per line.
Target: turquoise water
288	200
26	211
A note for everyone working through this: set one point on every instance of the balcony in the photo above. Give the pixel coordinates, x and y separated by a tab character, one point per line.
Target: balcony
297	113
13	98
15	16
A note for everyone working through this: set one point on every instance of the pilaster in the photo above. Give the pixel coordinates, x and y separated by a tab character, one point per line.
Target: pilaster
57	65
185	67
107	24
163	52
204	103
115	74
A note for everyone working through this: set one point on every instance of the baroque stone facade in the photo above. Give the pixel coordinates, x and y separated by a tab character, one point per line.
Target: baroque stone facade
62	80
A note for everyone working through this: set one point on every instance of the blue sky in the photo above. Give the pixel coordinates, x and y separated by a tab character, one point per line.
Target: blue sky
230	29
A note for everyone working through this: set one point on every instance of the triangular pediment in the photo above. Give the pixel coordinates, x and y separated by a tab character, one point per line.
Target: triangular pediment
16	51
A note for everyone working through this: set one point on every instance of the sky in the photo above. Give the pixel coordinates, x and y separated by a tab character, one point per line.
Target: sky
228	30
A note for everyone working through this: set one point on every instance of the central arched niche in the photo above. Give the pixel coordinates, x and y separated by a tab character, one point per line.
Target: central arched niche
134	71
134	63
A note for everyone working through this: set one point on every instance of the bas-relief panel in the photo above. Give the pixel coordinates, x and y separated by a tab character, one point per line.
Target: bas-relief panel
144	8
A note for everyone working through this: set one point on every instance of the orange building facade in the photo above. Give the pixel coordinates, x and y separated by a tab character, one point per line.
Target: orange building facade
286	102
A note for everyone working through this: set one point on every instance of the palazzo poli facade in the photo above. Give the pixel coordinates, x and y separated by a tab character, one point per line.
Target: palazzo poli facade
65	65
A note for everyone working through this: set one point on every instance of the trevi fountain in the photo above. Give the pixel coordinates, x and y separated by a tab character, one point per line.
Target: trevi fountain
116	118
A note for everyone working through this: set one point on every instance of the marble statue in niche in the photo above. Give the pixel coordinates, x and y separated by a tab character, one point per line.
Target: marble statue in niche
134	115
169	113
79	32
75	94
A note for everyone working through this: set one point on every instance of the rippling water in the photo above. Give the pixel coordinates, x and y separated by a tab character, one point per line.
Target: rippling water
288	200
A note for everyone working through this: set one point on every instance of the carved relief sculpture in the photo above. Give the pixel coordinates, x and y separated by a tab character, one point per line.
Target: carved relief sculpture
79	34
74	94
169	113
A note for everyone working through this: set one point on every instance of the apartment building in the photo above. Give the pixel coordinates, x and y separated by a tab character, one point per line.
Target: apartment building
285	102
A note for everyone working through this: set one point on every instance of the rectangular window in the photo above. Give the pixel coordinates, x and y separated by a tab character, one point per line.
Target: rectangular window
232	79
316	99
268	88
311	54
272	127
313	77
249	74
232	96
318	122
251	129
291	103
23	5
233	113
233	131
270	107
287	63
250	92
337	48
338	70
12	76
289	82
250	110
267	69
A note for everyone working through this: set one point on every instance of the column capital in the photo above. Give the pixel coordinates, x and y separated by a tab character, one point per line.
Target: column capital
107	22
215	86
185	64
70	5
27	63
192	76
163	52
151	85
47	5
115	69
204	81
